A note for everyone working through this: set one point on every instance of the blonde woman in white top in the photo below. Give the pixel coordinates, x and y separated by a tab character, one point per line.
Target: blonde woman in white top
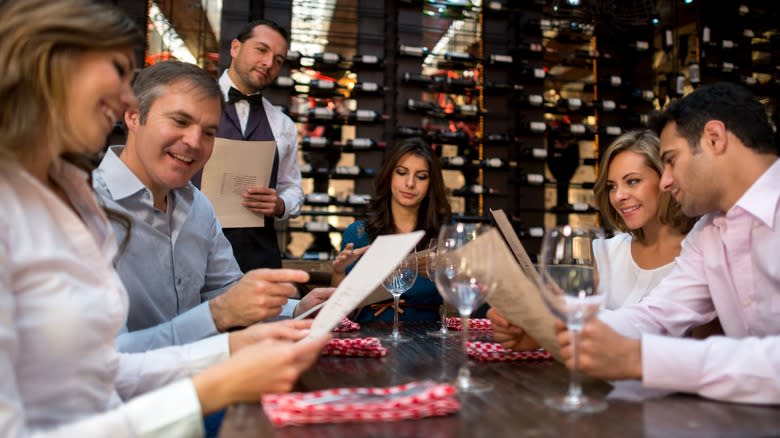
65	73
650	224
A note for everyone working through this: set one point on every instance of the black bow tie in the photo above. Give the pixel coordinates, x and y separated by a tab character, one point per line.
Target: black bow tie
255	100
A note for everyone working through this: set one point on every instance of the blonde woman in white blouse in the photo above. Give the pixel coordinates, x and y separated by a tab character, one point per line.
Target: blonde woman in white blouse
649	222
65	73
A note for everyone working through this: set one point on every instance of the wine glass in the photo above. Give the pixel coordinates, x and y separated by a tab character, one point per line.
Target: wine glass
430	269
399	281
464	274
566	273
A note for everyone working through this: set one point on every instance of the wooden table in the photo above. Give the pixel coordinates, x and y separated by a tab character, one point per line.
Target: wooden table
514	408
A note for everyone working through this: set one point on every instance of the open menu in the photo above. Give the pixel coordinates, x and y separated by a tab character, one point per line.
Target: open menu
385	253
517	295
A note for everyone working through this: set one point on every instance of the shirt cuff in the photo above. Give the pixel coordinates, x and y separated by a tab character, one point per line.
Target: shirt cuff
672	363
203	354
289	308
198	321
173	410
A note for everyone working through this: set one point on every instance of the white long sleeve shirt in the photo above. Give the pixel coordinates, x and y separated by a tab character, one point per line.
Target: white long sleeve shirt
61	305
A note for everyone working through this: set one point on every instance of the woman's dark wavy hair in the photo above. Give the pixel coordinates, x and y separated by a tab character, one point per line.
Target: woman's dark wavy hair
434	209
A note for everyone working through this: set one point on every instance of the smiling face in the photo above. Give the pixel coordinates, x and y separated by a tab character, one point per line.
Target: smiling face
411	178
99	93
257	61
689	177
176	139
633	189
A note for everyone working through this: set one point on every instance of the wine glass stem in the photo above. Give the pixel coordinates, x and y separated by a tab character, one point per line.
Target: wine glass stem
464	374
575	390
443	314
396	334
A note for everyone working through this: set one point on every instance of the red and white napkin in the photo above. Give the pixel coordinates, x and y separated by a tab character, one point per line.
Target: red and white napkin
355	347
347	325
455	323
492	351
409	401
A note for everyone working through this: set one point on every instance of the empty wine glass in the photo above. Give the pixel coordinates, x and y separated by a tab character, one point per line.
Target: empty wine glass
399	281
566	273
430	269
464	274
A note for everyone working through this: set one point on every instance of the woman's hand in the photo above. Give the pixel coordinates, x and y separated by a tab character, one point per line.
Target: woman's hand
270	366
346	257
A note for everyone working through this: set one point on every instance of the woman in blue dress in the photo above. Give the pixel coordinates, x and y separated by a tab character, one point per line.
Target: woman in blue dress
408	195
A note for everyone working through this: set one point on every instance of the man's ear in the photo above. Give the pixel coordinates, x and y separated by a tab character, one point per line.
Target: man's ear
235	45
132	119
714	136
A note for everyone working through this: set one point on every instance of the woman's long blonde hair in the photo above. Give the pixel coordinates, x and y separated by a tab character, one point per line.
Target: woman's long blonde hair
40	40
646	144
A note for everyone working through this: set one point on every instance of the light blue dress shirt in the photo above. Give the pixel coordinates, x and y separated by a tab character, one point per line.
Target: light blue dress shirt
174	261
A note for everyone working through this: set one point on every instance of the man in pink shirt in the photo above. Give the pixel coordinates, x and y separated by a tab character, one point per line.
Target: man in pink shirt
720	161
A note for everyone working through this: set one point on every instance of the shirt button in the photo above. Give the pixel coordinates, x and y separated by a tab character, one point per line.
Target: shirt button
747	301
178	281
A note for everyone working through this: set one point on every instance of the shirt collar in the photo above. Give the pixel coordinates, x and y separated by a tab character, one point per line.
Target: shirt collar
225	83
761	199
120	181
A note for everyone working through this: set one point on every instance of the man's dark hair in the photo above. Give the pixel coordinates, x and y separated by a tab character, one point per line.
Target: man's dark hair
247	31
151	82
734	105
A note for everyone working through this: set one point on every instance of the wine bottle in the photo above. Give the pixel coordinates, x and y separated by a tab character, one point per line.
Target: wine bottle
534	153
451	137
640	45
570	104
534	179
366	61
446	83
419	106
413	51
467	110
362	143
347	170
474	189
315	142
498	163
321	114
612	81
610	130
456	161
410	131
327	58
317	198
365	116
320	85
284	82
498	59
316	227
293	58
416	79
367	88
606	105
535	100
536	126
498	138
358	199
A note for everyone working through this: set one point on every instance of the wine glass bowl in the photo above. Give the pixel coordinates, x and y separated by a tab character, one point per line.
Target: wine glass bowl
567	277
397	282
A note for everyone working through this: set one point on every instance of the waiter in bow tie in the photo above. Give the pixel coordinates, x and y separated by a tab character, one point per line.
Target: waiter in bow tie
257	55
